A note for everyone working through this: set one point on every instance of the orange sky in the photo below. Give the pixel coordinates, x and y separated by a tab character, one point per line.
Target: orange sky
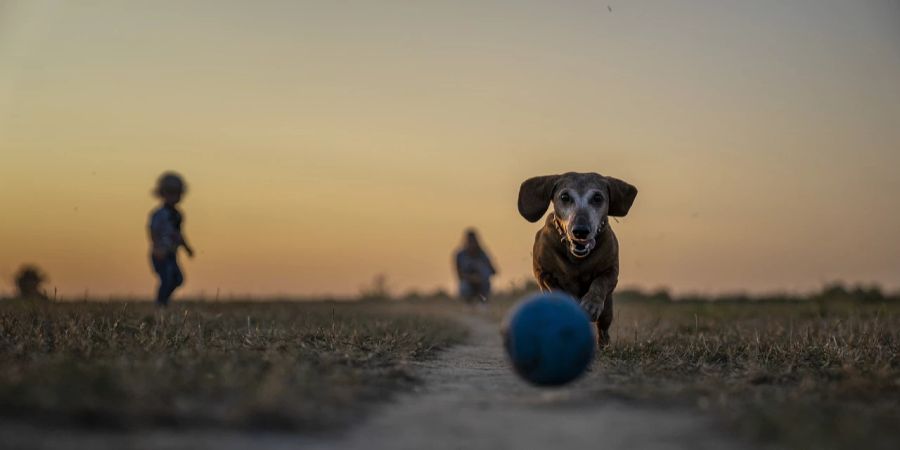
330	141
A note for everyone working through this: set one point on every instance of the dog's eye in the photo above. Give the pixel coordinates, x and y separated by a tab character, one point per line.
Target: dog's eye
565	198
597	199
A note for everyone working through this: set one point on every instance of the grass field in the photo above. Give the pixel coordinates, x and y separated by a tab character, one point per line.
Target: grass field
820	371
797	374
307	366
789	374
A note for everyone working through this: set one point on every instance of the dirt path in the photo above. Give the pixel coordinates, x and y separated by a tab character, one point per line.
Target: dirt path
470	399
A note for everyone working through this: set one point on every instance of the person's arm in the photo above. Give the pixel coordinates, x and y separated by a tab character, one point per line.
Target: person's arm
187	247
490	264
182	240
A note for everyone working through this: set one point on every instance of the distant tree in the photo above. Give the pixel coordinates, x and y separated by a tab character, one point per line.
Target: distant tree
660	295
629	294
29	281
439	294
871	293
412	295
835	290
857	292
378	290
634	294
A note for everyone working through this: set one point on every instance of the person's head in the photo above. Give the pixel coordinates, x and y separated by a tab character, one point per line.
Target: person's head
170	187
470	242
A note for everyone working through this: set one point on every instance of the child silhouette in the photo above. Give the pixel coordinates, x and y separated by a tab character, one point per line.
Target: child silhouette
166	235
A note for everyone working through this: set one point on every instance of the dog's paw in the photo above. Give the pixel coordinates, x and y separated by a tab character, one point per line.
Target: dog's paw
593	309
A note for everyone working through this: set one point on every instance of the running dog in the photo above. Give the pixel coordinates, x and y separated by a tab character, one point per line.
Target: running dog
576	251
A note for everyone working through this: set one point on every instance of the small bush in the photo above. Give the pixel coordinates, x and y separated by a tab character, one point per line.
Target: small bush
29	281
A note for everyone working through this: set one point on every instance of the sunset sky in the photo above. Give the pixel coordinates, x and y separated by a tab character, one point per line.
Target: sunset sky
326	142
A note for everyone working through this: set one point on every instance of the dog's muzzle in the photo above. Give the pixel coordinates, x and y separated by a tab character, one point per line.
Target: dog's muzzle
580	248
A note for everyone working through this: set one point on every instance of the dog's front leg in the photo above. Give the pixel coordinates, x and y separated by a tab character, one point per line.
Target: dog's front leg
598	304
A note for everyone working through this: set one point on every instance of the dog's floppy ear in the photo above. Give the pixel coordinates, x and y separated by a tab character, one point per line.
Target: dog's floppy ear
535	195
621	196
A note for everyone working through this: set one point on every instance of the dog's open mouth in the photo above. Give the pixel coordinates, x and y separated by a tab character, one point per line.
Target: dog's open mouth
581	248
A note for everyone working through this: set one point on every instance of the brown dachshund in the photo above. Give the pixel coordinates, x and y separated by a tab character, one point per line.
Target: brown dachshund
576	251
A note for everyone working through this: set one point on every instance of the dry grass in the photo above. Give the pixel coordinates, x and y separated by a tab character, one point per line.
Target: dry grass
274	365
794	374
800	374
822	372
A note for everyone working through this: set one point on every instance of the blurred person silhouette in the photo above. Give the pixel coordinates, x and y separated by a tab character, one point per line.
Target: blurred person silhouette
474	269
166	235
29	282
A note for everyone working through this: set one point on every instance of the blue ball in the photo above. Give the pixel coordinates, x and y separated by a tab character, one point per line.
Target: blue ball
549	339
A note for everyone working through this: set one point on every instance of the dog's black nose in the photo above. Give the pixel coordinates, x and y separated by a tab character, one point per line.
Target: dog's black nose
581	232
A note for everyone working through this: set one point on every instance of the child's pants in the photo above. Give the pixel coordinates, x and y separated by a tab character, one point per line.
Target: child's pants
170	277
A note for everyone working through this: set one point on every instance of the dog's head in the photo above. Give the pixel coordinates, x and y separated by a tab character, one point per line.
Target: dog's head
581	203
